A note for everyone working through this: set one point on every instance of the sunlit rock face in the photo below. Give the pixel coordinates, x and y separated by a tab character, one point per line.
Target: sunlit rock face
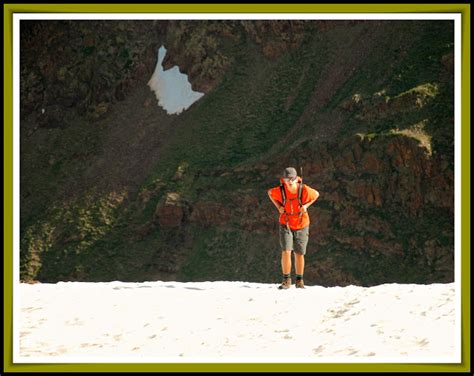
172	88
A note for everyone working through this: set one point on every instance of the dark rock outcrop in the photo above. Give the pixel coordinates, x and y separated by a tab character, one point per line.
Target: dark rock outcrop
365	108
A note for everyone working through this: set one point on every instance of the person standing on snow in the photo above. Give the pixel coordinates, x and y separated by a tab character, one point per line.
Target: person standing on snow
292	199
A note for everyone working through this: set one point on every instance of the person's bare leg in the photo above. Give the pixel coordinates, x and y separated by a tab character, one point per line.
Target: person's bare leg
286	269
299	263
299	267
286	262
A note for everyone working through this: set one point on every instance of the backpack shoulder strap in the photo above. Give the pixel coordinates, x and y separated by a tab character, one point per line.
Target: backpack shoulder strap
283	194
300	193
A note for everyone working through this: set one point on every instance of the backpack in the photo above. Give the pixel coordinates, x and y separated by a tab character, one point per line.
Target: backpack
283	193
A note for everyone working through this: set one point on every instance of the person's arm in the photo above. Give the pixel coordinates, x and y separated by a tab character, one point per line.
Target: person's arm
308	204
279	206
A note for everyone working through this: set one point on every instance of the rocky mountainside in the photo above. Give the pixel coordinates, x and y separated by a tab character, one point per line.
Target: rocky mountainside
113	188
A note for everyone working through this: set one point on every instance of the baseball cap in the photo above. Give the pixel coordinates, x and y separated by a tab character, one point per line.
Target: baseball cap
289	172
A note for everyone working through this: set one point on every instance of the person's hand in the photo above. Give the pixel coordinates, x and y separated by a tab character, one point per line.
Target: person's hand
304	209
281	209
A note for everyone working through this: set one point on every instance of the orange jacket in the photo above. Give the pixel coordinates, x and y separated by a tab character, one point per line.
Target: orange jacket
292	215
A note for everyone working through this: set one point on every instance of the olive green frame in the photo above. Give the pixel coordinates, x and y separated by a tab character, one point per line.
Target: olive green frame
10	9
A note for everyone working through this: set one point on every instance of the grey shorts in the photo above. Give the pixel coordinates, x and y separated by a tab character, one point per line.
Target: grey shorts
295	240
